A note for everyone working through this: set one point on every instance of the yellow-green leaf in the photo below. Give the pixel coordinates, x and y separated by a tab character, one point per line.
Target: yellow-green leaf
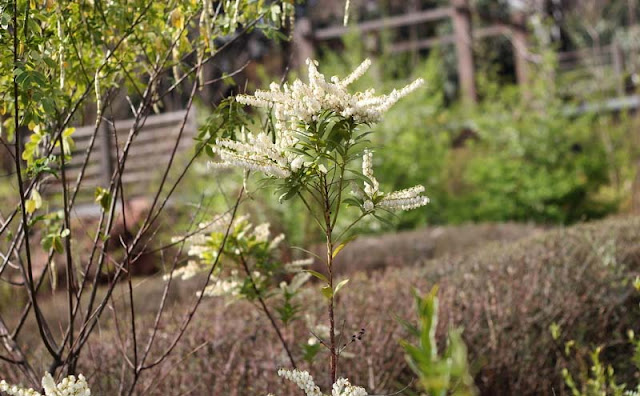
327	292
342	246
177	19
36	199
30	206
103	197
318	275
340	286
57	244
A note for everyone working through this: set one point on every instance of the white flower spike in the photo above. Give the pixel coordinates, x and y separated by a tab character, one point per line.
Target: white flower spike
301	103
304	381
373	198
70	386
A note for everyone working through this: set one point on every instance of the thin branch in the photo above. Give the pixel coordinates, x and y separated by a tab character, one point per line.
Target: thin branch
28	276
192	312
265	309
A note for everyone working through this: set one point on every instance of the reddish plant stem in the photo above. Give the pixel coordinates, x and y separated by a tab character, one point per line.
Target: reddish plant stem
332	328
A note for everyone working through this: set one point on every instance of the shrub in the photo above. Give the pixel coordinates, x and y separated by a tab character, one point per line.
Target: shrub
504	296
514	156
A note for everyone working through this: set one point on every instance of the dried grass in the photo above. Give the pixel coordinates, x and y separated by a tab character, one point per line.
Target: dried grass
505	295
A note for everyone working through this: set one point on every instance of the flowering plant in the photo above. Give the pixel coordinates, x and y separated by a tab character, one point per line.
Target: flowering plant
251	269
70	386
319	131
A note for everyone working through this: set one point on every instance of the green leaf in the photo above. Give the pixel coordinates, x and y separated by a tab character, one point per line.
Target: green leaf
340	286
383	220
350	201
327	292
57	244
103	197
30	206
361	176
318	275
342	245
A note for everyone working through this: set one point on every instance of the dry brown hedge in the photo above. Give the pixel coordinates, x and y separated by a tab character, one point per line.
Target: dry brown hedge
505	295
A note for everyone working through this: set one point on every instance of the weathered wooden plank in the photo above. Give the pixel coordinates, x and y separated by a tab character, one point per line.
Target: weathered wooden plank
464	49
385	23
490	31
148	155
153	121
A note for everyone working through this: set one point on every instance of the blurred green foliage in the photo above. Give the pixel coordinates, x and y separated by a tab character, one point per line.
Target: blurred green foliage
515	156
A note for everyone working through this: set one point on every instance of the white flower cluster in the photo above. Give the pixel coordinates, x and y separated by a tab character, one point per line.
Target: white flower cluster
343	387
304	381
70	386
373	198
261	232
296	265
302	103
258	153
633	392
202	252
407	199
230	286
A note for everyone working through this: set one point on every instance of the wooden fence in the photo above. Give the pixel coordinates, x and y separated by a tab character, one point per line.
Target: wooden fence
597	70
606	61
148	155
459	13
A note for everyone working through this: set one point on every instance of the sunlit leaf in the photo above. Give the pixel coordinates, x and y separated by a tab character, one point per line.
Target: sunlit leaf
340	286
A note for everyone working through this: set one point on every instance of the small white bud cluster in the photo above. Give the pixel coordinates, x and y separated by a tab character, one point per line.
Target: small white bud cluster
296	283
367	170
303	102
14	390
190	270
258	153
203	248
275	242
70	386
261	232
296	265
198	248
304	381
197	242
222	287
373	198
407	199
343	387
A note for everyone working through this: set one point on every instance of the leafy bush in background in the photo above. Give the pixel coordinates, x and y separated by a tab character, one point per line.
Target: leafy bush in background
514	156
532	161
